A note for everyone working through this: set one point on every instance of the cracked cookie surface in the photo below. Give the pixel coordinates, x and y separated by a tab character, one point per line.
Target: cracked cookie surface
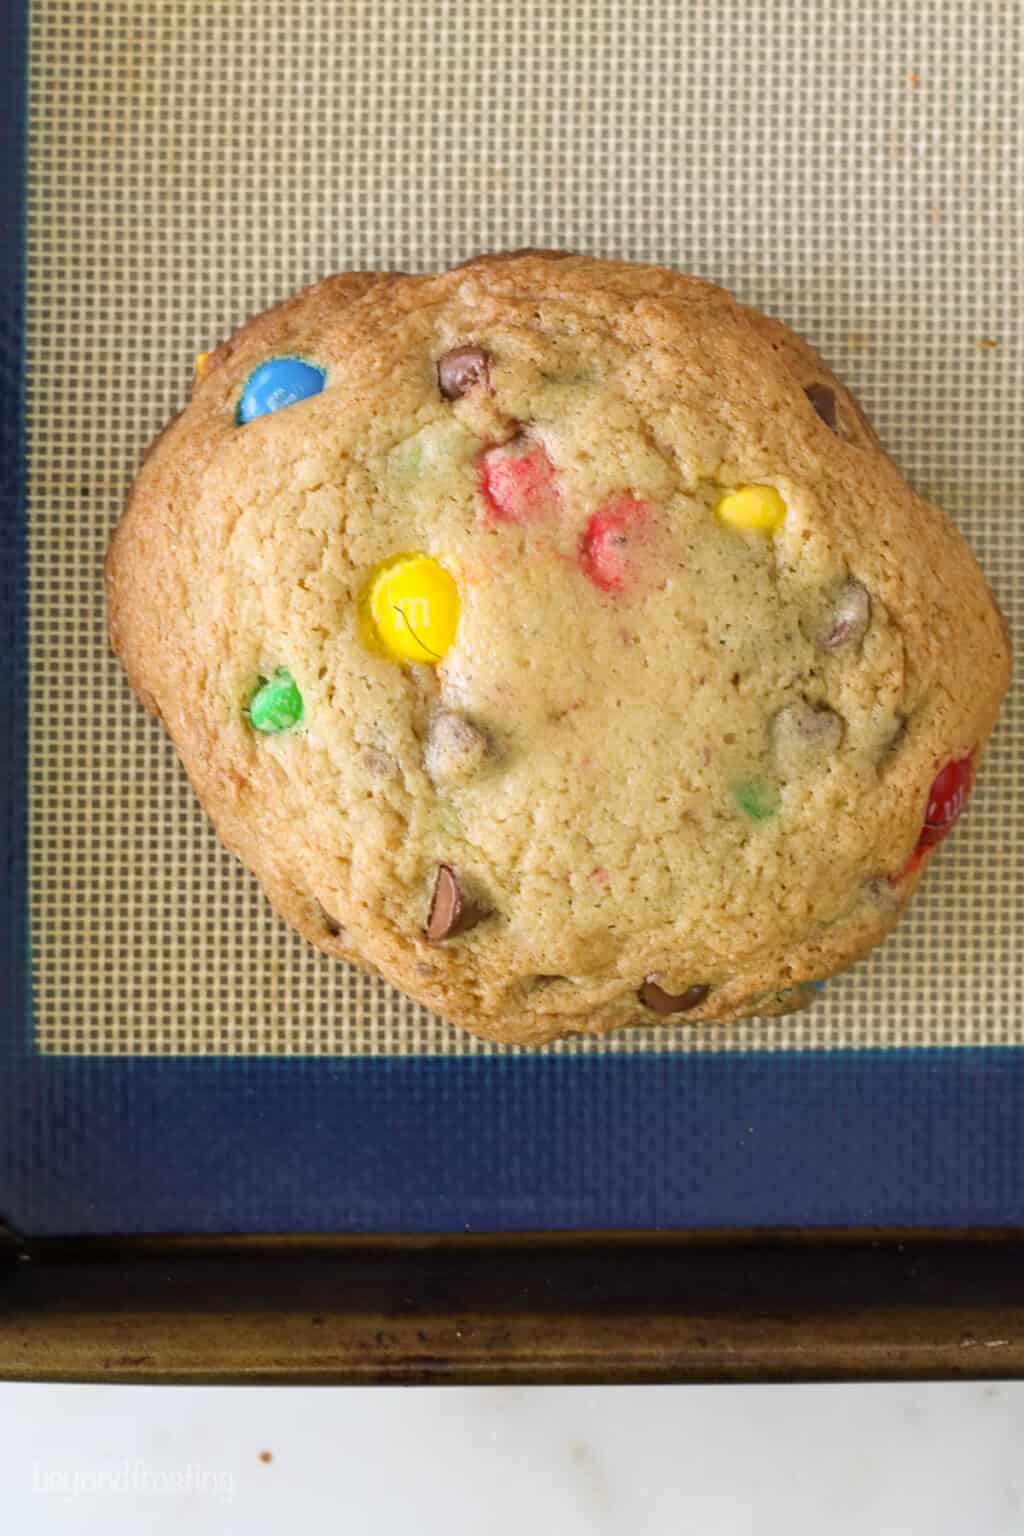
553	637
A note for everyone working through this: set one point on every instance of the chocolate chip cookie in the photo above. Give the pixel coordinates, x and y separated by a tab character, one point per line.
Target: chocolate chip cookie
554	638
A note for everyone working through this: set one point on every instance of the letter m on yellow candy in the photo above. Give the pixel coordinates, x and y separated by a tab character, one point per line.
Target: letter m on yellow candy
412	609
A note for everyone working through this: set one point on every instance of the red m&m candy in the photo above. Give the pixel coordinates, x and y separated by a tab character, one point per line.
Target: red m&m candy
946	799
608	549
519	483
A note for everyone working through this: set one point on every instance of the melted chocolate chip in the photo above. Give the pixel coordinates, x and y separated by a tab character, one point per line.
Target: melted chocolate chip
455	748
460	370
664	1003
824	401
450	911
801	729
849	617
805	720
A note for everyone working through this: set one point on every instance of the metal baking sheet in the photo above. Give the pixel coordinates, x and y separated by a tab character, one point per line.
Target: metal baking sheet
853	167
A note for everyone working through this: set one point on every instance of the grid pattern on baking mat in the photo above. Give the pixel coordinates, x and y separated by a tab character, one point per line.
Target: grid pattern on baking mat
853	166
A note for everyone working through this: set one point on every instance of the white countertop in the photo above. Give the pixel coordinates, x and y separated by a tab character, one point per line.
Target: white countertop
714	1461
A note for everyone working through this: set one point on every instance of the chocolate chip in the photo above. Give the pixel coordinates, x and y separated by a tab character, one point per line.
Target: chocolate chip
460	370
664	1003
800	730
824	401
849	618
456	748
450	911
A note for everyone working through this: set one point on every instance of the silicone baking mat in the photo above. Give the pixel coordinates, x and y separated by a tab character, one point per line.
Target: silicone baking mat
853	166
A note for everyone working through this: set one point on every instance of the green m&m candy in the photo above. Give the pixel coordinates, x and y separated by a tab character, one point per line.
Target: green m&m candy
277	703
756	798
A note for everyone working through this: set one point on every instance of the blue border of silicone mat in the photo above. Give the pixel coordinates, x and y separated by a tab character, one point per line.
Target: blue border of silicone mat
901	1137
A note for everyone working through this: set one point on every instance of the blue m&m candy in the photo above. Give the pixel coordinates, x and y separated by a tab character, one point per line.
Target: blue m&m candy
278	382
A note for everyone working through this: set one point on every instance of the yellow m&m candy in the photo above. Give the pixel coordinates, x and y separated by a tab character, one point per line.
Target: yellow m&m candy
753	506
411	609
202	358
